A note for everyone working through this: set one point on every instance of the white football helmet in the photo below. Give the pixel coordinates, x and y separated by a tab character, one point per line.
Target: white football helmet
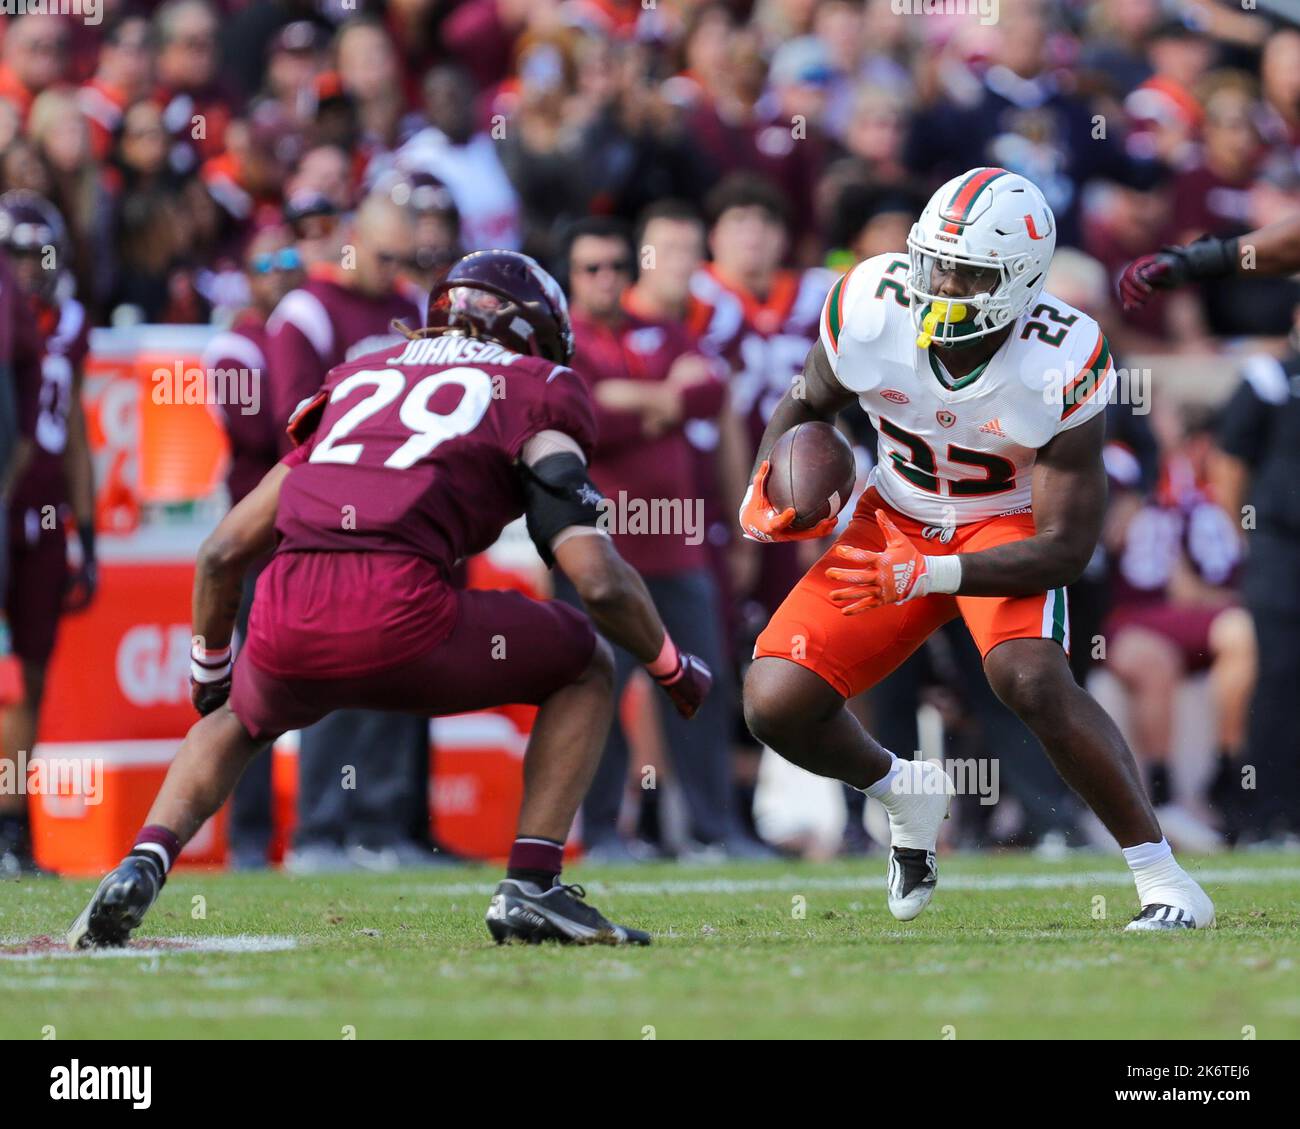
986	219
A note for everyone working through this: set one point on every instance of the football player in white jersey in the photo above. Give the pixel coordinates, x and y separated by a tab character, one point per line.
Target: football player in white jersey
987	501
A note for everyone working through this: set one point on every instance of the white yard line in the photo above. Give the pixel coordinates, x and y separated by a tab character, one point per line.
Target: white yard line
242	943
870	879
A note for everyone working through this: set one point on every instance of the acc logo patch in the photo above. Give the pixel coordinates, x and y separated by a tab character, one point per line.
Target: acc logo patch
895	396
946	419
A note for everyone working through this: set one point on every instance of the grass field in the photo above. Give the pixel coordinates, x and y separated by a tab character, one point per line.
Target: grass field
1010	947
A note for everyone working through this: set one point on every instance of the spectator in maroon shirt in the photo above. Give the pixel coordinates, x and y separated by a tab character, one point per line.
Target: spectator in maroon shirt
649	382
341	312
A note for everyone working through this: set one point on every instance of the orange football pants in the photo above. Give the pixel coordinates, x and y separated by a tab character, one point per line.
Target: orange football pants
855	652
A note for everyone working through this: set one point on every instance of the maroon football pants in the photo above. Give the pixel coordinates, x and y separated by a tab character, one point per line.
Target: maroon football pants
503	648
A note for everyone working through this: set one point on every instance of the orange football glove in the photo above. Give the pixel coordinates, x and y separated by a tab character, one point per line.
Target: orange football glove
894	575
761	521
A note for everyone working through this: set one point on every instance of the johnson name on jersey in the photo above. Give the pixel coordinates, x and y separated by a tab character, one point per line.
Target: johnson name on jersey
952	452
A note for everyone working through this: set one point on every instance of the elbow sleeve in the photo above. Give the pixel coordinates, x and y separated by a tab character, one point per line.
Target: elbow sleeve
558	493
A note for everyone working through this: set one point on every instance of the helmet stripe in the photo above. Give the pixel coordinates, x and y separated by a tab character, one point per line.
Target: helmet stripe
960	206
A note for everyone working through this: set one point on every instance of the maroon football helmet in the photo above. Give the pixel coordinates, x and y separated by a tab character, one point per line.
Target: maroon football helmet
30	226
507	297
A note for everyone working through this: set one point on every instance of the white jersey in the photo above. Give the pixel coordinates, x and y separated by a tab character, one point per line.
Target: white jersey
955	452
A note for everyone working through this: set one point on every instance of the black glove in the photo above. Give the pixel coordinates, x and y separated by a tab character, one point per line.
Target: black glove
1171	267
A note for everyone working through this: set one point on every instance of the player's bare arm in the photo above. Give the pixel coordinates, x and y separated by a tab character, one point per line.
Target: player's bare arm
80	475
244	534
815	395
562	509
77	461
613	593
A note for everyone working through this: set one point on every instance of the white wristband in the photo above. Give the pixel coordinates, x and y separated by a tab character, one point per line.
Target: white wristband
945	573
205	674
209	666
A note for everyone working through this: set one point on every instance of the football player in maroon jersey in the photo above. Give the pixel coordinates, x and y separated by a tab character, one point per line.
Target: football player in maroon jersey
408	460
53	487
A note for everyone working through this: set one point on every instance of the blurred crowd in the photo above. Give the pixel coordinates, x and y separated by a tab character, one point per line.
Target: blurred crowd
298	172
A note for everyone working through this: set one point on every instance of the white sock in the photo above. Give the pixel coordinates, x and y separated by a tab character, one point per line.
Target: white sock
1154	867
884	786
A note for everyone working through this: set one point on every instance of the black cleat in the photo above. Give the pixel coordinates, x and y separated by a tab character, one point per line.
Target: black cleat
523	911
118	905
913	876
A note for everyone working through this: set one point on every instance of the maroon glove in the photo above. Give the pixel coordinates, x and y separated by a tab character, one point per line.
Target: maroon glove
208	696
1171	267
688	684
210	674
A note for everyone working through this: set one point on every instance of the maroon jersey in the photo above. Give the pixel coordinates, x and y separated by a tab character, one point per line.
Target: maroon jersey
415	449
765	342
318	326
630	465
43	405
410	466
1179	524
254	437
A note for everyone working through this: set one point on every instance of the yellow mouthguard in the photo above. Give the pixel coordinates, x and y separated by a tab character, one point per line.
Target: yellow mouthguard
938	312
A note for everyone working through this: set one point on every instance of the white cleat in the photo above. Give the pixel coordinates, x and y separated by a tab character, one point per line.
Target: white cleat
917	806
1183	906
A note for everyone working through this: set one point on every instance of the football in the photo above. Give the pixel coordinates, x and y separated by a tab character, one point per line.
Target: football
812	470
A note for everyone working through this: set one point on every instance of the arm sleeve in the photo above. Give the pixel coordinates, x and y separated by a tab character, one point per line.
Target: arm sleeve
559	497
